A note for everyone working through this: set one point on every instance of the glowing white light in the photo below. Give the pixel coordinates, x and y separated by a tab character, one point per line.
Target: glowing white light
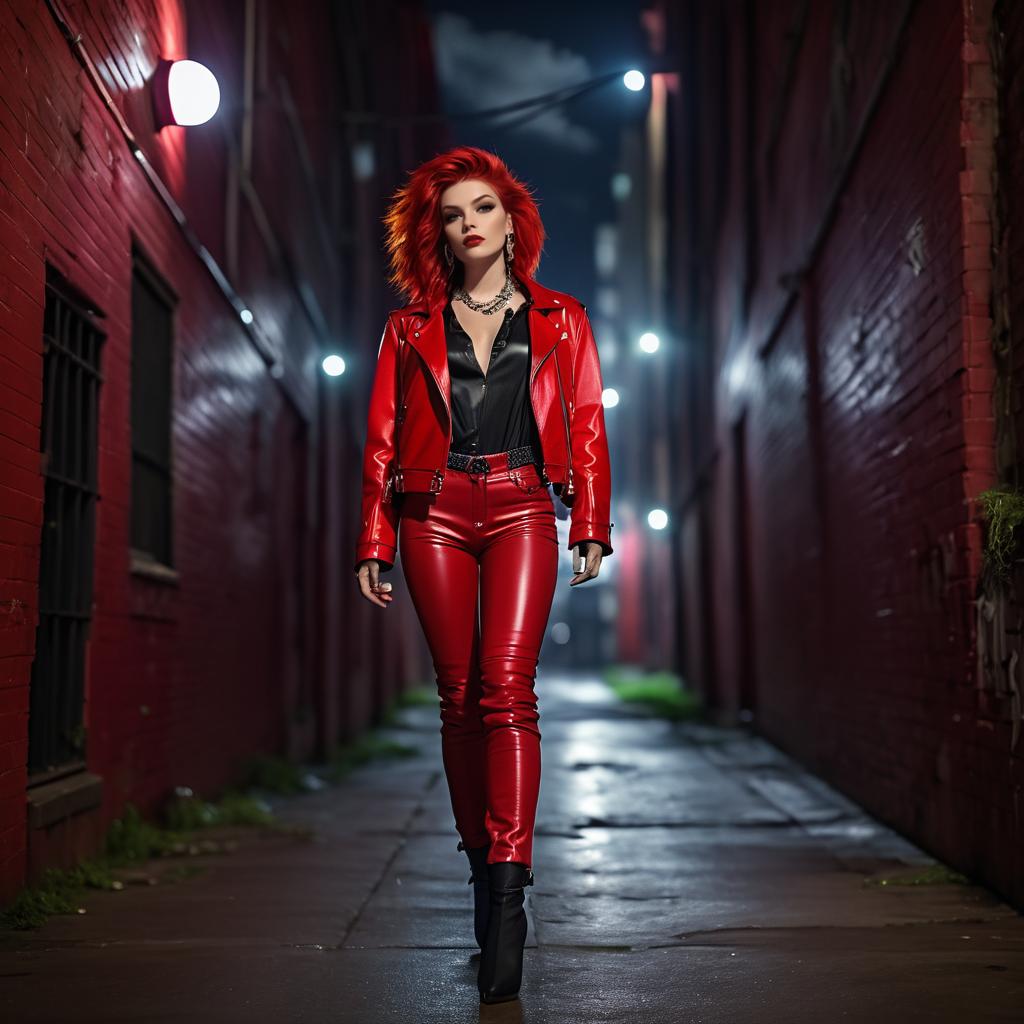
609	398
364	160
560	632
657	519
193	92
633	80
246	316
648	342
333	365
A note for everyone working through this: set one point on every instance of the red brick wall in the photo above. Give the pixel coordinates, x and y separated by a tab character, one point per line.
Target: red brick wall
1009	260
863	363
185	681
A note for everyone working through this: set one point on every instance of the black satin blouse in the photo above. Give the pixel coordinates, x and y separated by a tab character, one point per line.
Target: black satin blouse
491	412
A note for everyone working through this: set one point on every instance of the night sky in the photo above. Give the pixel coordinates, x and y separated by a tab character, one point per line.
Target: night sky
489	56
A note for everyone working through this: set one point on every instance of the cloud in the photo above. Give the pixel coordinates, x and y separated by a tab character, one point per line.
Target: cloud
482	69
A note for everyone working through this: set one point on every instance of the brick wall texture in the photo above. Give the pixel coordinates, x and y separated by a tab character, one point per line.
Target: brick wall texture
837	280
250	651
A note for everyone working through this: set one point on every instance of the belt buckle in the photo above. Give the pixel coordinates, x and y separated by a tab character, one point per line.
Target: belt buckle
478	464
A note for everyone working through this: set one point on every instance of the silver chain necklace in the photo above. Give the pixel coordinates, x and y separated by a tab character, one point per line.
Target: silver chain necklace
491	305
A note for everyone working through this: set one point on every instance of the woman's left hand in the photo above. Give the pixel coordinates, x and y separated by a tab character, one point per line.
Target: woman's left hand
592	553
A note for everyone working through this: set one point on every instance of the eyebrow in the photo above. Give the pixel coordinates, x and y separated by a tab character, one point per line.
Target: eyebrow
486	195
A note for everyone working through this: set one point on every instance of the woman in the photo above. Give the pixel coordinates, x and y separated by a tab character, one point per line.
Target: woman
487	389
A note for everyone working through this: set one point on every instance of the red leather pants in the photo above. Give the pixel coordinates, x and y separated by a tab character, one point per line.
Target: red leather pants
480	558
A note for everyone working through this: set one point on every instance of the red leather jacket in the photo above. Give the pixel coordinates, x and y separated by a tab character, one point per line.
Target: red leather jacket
407	443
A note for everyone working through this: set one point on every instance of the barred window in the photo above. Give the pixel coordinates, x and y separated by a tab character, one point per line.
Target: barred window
72	343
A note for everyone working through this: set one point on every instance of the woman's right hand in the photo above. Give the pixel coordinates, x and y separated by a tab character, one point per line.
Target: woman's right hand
369	583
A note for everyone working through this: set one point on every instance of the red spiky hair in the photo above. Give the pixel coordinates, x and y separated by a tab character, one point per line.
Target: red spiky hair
414	237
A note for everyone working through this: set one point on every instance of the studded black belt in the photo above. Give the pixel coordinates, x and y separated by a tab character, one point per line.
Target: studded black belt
513	458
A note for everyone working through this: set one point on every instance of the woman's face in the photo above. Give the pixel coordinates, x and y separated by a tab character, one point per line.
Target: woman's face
472	212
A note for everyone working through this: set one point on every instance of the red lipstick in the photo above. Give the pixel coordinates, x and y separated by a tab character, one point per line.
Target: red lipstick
471	240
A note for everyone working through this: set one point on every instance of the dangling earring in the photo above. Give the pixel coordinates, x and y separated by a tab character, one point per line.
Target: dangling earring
510	244
449	256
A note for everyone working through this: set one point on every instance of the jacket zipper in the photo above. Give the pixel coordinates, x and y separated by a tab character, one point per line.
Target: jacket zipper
533	405
396	470
565	423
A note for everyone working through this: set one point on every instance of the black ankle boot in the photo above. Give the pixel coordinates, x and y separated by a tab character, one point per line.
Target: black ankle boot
481	891
501	965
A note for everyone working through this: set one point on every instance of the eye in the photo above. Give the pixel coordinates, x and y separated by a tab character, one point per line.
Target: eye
486	206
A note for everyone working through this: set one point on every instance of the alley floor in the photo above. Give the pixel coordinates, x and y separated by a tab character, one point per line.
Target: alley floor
684	873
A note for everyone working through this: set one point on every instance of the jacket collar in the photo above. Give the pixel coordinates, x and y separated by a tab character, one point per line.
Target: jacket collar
427	336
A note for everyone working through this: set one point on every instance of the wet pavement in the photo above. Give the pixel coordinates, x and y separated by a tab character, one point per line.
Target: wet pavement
684	873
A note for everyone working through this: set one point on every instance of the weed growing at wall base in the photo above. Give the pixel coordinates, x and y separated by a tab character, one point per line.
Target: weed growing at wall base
1003	512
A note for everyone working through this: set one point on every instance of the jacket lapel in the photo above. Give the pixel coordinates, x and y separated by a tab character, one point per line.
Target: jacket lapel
547	324
546	327
425	333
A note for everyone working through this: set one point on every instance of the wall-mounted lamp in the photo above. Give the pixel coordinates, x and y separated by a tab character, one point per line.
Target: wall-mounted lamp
184	92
